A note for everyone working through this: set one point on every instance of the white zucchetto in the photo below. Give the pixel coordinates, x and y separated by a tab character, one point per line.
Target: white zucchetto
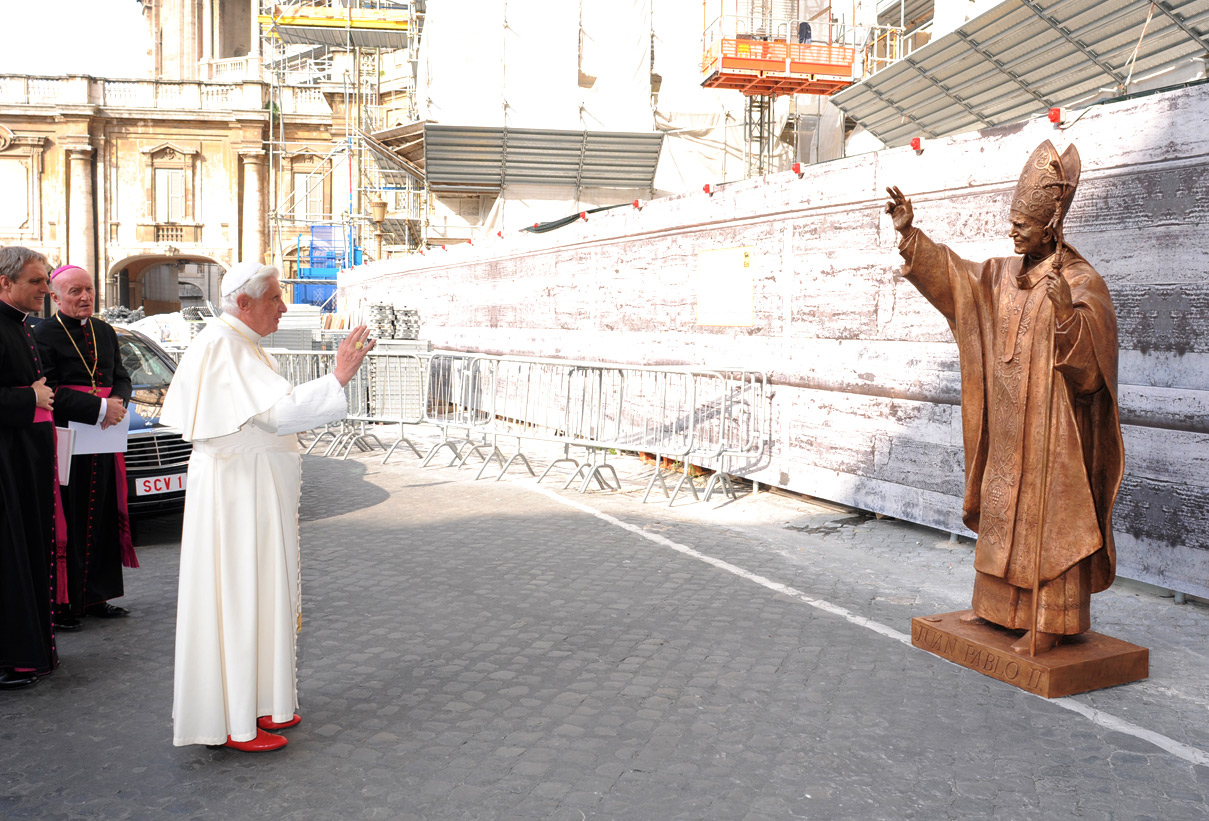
238	275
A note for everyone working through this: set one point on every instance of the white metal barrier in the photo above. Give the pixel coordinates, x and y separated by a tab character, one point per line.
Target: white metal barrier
389	388
684	417
731	426
458	402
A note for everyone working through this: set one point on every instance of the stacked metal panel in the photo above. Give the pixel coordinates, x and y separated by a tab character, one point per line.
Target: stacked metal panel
388	322
381	321
407	323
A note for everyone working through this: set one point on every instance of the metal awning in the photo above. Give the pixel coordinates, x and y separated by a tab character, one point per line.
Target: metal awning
487	159
405	141
383	27
342	38
1023	57
390	163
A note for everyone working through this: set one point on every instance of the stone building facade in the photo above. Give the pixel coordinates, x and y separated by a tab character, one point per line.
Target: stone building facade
154	183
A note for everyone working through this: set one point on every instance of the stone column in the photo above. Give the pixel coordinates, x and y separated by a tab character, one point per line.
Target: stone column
190	68
253	217
81	238
208	50
254	42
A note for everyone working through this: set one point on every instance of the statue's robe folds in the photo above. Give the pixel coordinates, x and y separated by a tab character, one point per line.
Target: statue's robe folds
1010	349
239	597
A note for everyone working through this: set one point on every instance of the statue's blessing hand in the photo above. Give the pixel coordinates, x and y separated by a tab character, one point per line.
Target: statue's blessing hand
899	209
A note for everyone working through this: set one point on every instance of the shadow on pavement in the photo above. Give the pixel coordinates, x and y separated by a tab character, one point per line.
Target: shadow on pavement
331	487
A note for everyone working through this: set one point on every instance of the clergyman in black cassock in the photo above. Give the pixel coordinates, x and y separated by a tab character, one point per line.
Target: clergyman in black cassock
83	364
28	483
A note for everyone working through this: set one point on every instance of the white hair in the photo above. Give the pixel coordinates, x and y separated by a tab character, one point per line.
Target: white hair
256	287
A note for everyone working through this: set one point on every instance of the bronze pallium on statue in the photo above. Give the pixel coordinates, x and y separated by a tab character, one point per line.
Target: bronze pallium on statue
1037	336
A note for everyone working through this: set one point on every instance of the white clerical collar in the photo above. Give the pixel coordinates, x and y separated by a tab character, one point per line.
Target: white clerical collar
240	326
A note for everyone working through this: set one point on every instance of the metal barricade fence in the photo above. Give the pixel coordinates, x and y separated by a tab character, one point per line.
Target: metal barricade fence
459	401
716	418
602	407
731	426
397	391
388	389
302	366
572	403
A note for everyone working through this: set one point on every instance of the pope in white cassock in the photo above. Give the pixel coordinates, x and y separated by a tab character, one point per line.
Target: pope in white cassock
238	605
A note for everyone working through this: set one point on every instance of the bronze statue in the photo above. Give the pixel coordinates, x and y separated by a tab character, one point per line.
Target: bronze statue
1037	336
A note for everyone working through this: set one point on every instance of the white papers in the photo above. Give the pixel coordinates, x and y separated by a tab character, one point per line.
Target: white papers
92	439
64	439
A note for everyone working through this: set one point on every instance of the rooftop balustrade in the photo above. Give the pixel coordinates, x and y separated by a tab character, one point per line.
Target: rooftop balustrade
81	90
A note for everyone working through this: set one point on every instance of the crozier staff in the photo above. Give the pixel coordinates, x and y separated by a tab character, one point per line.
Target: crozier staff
83	364
1041	476
238	603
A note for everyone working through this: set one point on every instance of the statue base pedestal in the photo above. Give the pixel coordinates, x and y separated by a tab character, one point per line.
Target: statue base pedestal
1088	661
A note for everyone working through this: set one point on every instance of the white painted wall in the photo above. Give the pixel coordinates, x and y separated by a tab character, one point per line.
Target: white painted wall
587	66
867	400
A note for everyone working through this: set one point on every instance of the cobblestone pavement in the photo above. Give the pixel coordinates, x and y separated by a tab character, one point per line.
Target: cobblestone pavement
481	649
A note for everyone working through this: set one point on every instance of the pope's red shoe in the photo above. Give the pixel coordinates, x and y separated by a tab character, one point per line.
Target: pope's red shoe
263	743
267	722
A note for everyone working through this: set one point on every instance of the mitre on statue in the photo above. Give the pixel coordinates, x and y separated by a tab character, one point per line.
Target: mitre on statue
1046	178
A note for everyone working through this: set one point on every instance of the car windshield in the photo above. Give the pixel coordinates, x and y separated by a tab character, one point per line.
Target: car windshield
146	368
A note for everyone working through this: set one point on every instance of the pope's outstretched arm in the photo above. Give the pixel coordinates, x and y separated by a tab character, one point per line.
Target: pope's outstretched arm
222	384
321	400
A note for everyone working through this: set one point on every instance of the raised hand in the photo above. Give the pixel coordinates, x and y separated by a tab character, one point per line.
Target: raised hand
351	353
899	209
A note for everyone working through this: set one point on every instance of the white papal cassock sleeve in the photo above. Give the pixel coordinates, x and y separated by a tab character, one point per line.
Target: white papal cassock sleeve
307	406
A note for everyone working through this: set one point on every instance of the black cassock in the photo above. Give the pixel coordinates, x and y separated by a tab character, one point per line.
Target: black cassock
27	504
70	350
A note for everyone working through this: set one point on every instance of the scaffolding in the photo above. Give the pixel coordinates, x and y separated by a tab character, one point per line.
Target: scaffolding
341	184
771	48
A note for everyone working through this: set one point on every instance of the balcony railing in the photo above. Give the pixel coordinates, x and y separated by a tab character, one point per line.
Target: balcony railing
232	69
169	233
779	57
21	89
284	6
303	100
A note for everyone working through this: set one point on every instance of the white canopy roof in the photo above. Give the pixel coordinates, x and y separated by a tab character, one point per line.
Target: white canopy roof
1023	57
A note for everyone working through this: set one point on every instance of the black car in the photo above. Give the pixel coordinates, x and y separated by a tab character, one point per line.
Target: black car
157	458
